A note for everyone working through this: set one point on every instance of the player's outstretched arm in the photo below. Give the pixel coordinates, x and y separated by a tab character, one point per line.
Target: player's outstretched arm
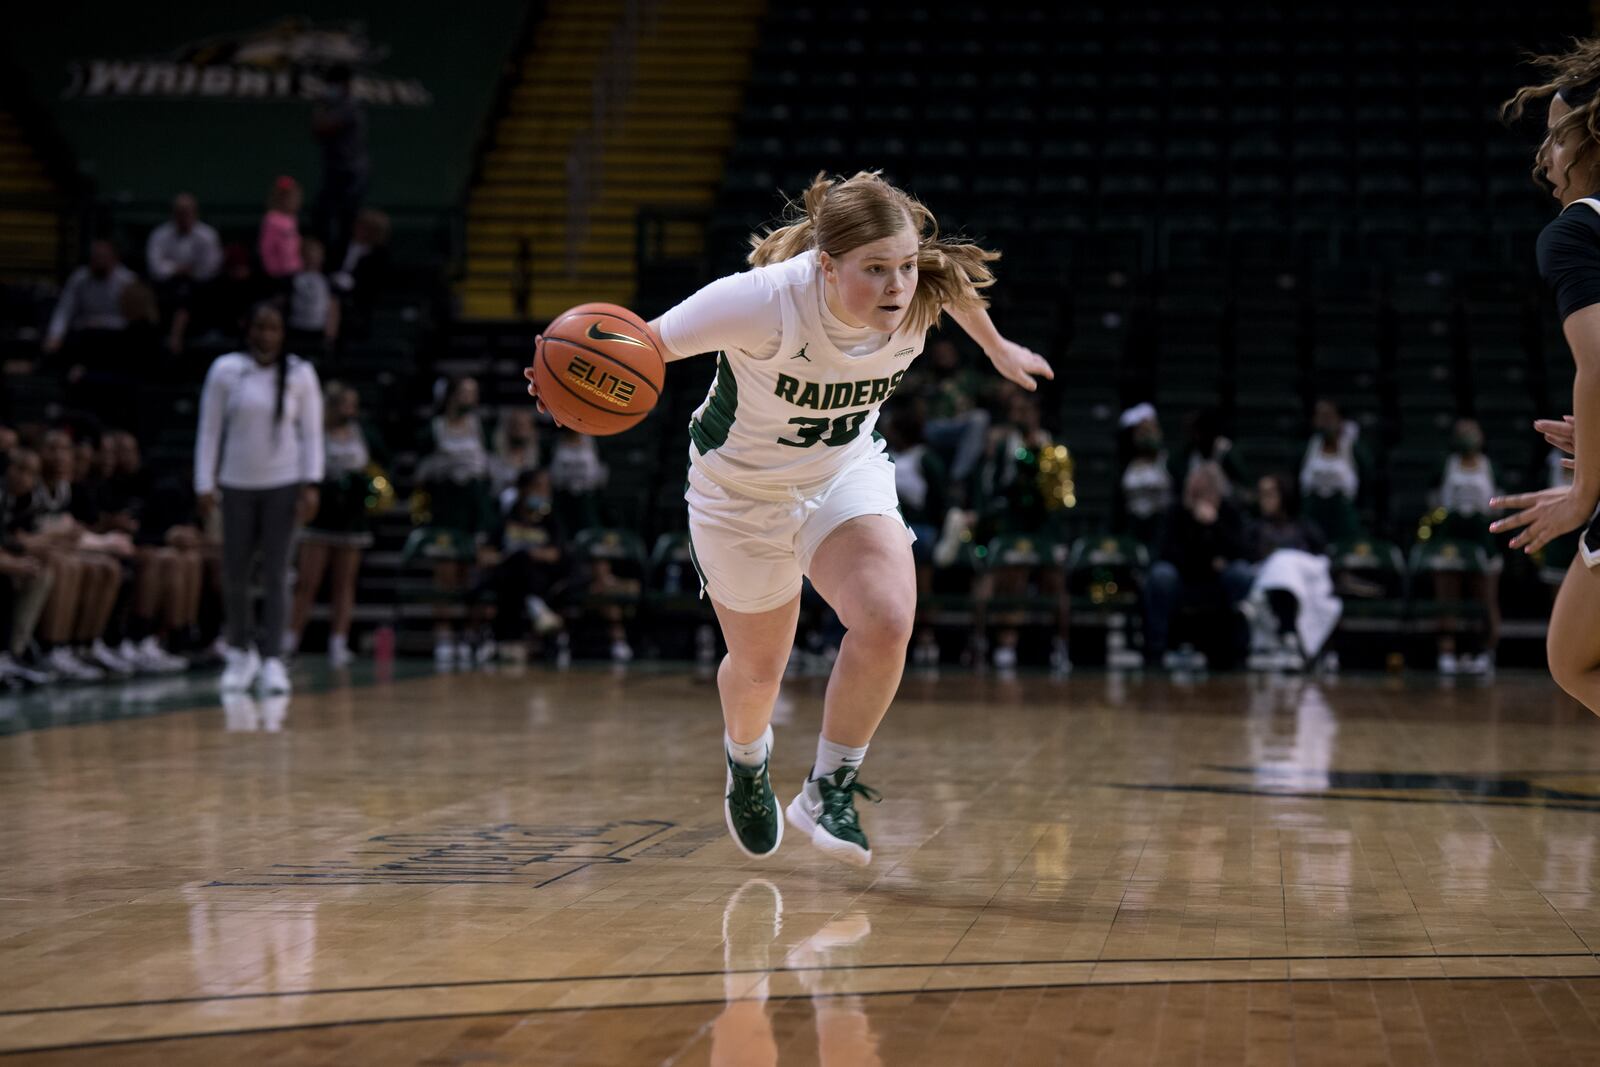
1016	363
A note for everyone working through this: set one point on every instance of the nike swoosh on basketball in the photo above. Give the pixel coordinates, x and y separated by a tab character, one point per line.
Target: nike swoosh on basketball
597	334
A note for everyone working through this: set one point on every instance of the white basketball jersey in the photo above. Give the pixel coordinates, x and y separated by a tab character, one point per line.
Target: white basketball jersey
792	422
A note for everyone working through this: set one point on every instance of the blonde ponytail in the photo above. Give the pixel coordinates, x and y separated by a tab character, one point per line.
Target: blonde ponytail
837	215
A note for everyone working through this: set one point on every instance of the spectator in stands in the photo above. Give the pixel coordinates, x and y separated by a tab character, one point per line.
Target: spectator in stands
102	561
1208	444
260	444
171	549
90	305
236	293
55	618
576	477
921	481
167	561
25	580
1464	494
1007	500
1279	524
956	424
1334	473
1291	578
1144	492
532	578
454	473
363	272
339	123
334	539
278	243
516	451
1203	561
313	312
182	256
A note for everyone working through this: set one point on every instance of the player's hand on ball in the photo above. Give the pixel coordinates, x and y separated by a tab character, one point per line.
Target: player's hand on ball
1018	363
527	372
1542	516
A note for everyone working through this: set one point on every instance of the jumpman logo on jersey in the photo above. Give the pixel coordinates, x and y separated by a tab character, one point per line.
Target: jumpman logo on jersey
802	353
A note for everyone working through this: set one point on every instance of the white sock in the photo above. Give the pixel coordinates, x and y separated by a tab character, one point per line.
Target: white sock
752	755
337	644
831	757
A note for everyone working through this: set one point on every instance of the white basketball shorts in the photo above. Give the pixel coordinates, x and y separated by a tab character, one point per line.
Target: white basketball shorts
752	553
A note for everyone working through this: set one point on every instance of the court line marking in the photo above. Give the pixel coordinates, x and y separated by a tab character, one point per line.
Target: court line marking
1270	794
782	998
824	969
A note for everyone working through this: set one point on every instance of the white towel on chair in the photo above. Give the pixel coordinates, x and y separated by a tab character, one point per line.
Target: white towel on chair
1310	580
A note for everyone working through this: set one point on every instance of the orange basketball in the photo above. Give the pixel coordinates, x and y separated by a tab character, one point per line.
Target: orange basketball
597	370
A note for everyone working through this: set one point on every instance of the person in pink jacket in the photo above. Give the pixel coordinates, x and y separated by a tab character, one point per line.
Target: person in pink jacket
279	244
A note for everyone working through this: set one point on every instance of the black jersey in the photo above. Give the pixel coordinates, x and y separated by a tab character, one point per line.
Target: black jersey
1569	256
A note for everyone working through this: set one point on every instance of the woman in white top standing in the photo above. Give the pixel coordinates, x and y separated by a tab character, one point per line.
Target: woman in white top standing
260	449
786	477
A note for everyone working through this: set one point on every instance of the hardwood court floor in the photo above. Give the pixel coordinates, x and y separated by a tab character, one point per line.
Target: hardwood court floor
533	868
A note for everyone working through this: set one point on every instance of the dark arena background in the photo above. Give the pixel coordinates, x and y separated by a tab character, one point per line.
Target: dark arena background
1302	791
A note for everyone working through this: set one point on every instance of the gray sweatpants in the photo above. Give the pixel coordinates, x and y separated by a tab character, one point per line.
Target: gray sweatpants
257	521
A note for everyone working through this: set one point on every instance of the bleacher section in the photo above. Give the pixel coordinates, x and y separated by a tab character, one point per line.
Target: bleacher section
1239	207
598	127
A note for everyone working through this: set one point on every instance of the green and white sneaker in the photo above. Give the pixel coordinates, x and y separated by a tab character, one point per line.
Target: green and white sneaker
831	821
751	810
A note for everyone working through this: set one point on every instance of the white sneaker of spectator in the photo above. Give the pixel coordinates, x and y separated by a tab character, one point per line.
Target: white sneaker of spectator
1481	664
100	655
12	670
1060	658
621	652
444	654
1448	664
1005	658
545	620
148	655
274	677
64	663
484	652
242	667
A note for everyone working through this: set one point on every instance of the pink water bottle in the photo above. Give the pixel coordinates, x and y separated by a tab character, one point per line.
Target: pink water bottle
383	644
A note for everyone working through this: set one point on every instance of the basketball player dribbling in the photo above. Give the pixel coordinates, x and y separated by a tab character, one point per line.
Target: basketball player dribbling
787	478
1568	161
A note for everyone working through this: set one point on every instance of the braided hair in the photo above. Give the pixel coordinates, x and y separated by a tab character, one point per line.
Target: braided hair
263	308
